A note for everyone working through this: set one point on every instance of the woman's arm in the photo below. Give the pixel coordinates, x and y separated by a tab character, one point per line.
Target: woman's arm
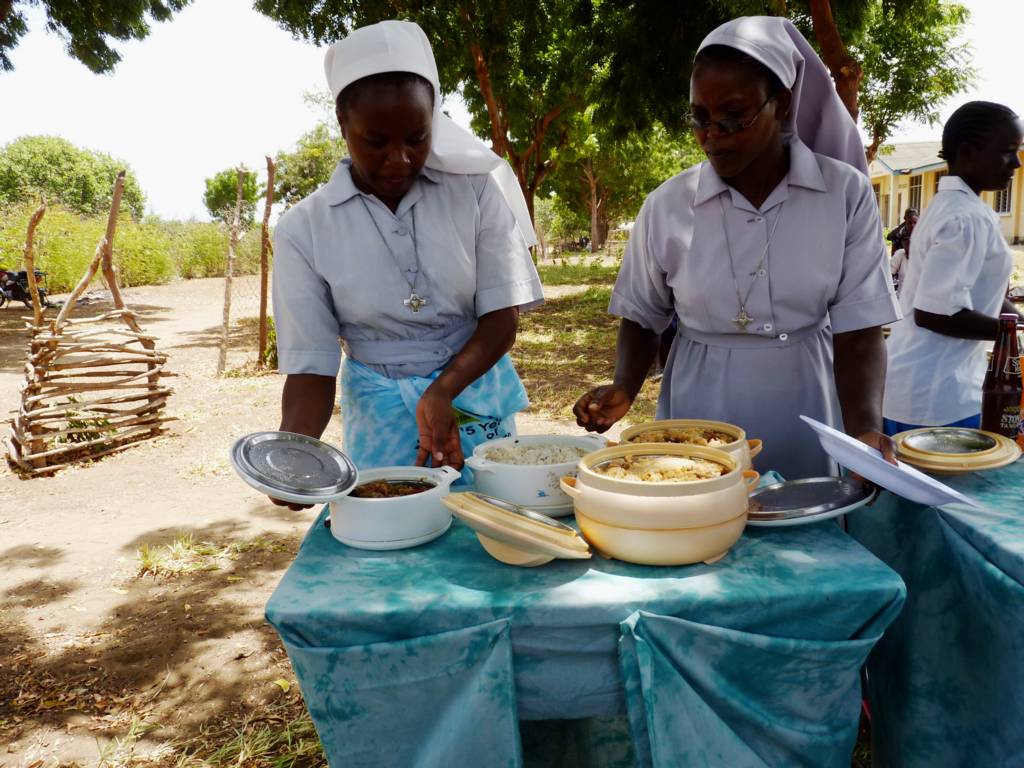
965	324
439	434
306	404
859	365
602	406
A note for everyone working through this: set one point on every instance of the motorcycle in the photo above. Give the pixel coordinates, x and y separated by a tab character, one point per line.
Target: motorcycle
14	287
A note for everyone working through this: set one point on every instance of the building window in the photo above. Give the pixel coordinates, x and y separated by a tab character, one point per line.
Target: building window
884	208
938	178
915	193
877	189
1002	199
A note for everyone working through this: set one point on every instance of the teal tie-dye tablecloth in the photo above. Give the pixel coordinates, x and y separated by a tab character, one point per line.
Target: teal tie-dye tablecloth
947	680
432	656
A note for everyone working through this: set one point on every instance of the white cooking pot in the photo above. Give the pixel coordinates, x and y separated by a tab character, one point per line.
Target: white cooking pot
530	485
399	522
743	449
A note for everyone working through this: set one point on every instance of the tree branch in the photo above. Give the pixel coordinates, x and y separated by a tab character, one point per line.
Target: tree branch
846	71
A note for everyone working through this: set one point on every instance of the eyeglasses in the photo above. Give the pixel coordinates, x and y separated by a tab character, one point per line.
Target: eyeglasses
727	125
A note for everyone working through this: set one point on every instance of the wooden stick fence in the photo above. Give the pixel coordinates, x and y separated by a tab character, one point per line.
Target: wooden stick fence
92	386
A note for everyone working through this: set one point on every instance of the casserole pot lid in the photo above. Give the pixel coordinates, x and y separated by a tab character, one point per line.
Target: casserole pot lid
949	440
809	500
526	530
293	467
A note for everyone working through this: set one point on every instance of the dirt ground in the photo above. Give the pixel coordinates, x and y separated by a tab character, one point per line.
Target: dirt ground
90	652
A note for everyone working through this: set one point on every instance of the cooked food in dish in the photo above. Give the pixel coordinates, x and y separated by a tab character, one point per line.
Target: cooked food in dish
546	453
689	436
389	489
660	469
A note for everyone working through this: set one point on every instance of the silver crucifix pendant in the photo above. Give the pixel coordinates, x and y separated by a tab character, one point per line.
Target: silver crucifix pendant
415	302
743	319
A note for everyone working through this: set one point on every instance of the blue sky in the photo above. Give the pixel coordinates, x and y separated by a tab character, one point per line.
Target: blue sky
220	84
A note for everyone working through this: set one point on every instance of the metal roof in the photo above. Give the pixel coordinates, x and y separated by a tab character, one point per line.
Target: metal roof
907	158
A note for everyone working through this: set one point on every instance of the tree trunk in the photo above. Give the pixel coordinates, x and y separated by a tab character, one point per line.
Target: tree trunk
593	203
846	71
265	263
877	138
229	270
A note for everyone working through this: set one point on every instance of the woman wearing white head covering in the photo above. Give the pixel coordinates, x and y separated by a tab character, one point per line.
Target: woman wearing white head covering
771	255
415	254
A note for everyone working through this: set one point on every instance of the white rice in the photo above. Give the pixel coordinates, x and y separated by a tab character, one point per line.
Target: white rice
543	453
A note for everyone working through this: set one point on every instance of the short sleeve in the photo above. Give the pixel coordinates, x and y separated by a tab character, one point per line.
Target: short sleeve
505	274
952	261
641	292
865	296
304	319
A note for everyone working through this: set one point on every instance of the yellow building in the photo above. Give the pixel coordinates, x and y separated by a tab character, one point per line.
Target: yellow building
907	176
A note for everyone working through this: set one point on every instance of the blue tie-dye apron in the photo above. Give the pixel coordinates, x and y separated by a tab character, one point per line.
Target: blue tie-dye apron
378	413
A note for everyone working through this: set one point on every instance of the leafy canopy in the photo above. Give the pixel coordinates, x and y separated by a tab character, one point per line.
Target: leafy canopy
912	64
55	169
222	193
86	26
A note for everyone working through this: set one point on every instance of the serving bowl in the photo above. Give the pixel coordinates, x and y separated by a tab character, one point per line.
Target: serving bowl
530	485
744	449
397	522
661	523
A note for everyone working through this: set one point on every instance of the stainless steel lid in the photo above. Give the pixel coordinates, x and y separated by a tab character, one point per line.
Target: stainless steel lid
293	467
807	500
950	440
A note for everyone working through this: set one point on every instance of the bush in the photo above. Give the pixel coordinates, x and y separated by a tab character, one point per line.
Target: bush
149	252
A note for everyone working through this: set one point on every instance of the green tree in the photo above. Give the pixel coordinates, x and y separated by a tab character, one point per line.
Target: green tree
603	178
303	170
222	192
523	68
54	168
85	26
912	64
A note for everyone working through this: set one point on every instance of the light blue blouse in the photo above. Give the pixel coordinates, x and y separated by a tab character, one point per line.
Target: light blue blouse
340	275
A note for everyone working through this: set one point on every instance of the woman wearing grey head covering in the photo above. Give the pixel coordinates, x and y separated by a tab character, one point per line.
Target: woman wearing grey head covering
771	255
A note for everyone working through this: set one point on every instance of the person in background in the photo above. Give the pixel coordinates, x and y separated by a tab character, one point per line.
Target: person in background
956	279
771	255
415	255
900	236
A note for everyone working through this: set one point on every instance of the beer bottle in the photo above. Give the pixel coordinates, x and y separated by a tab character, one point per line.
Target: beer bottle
1002	391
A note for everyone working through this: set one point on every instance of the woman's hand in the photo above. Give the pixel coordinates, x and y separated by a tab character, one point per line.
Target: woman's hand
439	432
601	407
290	504
882	443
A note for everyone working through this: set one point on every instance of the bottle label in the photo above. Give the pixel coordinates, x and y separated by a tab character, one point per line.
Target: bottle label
1009	420
1013	365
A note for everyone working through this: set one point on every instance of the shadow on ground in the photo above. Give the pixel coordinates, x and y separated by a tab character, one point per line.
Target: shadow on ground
159	654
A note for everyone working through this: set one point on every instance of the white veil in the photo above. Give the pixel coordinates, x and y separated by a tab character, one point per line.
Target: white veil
401	46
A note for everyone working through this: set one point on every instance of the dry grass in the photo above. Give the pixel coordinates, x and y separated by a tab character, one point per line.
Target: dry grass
566	347
185	555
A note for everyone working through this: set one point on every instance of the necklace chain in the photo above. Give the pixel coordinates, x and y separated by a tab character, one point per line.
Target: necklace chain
415	302
743	319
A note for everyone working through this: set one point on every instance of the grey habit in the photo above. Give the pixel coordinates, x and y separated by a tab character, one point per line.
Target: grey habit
826	272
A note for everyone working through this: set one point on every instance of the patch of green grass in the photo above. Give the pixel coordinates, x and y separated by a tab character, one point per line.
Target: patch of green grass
580	273
186	555
567	346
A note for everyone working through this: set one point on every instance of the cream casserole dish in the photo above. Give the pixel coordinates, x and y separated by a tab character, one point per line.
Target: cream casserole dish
677	431
666	522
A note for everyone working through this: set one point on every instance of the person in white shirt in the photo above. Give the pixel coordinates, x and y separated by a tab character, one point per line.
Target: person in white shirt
415	256
771	254
956	280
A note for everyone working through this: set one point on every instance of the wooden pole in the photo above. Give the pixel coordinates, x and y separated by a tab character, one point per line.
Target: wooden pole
222	358
265	248
30	265
108	250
